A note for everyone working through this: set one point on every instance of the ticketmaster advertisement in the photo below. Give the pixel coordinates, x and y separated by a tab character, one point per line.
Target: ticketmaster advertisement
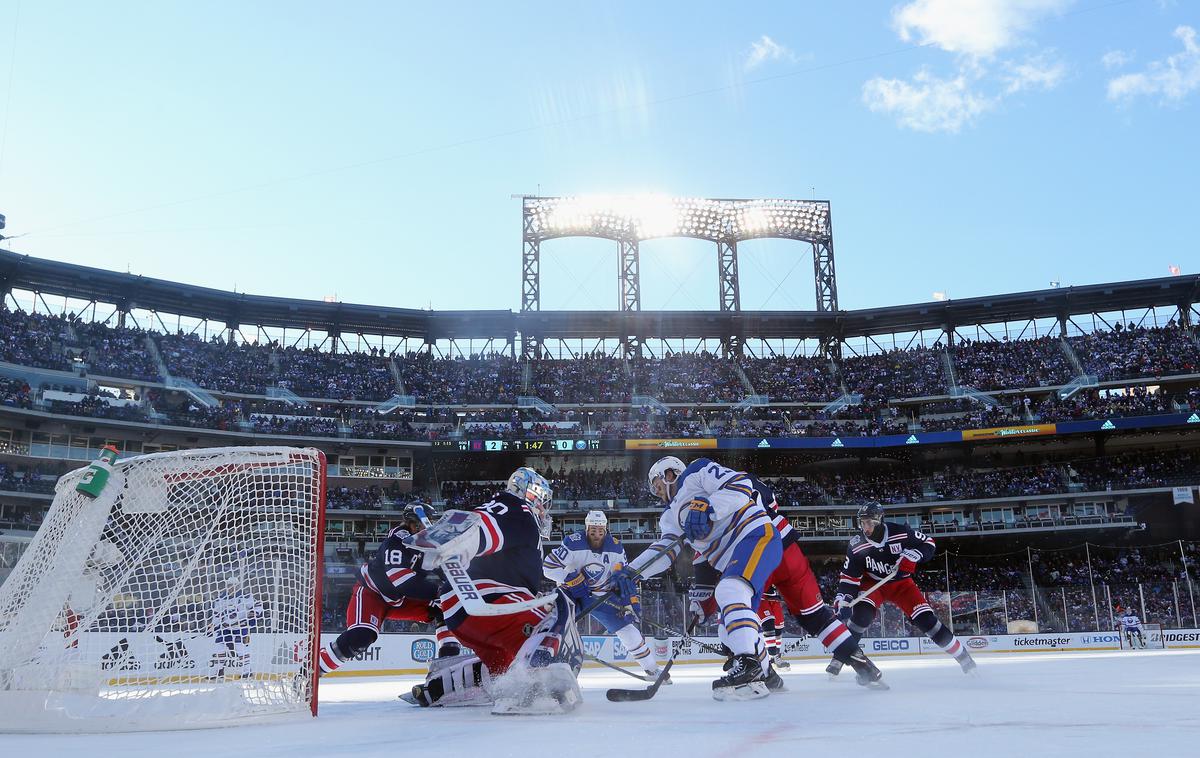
395	654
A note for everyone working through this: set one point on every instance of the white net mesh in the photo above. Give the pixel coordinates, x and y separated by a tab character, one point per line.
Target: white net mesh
186	594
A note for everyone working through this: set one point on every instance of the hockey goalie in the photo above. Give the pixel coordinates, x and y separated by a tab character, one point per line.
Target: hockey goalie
526	648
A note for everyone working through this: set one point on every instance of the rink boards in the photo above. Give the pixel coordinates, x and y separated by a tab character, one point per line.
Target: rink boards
399	654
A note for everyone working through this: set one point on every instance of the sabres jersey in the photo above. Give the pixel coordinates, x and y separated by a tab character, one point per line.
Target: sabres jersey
395	572
877	559
736	511
1131	621
575	555
509	559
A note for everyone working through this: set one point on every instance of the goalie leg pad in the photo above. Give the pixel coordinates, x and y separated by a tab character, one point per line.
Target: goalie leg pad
462	680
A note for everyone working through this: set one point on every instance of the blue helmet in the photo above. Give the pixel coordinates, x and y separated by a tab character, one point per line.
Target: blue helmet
533	488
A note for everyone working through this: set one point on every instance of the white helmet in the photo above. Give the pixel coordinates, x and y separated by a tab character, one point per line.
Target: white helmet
660	467
596	518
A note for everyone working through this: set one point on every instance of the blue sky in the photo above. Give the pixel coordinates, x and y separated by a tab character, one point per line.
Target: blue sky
370	150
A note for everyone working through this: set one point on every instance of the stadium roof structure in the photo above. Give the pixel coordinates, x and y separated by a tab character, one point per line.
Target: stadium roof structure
130	291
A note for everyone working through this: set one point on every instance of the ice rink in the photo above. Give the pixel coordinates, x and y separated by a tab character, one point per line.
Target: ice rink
1019	705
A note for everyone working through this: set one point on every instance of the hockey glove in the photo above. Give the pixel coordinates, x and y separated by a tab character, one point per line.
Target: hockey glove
842	607
908	563
576	587
624	581
697	519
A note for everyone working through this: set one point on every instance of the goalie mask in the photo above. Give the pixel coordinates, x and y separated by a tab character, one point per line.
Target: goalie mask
533	488
662	484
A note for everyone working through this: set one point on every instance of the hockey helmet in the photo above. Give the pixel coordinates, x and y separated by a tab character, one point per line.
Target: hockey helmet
533	488
663	489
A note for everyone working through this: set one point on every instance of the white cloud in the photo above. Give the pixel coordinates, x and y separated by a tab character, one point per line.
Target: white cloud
1036	72
979	28
1116	59
766	49
1172	79
928	103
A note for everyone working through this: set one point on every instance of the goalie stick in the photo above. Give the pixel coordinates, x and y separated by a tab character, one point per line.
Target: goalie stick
617	695
468	594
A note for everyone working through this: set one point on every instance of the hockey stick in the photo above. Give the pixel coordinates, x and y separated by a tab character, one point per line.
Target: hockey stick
674	632
625	696
883	581
615	667
468	594
599	601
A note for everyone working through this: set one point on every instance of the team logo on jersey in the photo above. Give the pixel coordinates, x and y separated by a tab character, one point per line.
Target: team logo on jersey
527	630
423	650
594	572
896	548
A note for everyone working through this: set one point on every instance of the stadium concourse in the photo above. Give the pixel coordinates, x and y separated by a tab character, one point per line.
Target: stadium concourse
1082	704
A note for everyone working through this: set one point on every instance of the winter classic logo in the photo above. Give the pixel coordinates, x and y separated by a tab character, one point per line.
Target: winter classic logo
423	650
977	643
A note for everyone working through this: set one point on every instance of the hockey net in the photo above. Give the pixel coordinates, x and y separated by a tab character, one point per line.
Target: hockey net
1151	633
186	594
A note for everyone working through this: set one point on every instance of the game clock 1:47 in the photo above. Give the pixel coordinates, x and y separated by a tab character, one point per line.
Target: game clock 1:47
531	445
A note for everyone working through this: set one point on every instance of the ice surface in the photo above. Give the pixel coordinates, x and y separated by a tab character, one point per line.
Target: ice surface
1024	704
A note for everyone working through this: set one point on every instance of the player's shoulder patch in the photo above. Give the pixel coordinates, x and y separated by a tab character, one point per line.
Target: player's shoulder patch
574	539
615	540
856	540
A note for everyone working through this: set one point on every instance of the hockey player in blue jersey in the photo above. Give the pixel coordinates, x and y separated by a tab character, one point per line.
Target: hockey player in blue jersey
582	566
713	509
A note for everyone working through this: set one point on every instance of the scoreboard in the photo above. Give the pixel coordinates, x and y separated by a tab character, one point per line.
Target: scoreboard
526	446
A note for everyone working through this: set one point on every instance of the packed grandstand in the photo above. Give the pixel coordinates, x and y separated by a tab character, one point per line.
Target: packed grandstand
1045	449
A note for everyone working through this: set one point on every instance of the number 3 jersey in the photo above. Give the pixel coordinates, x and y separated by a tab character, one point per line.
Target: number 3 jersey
576	555
876	559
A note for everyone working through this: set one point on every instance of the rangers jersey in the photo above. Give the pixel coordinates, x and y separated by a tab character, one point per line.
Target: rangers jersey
877	559
575	554
509	559
395	573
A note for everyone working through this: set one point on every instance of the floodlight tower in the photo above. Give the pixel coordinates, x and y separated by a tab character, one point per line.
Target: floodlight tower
629	219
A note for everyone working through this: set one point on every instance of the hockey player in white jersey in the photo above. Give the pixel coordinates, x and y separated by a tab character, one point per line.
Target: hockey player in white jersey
582	566
234	614
1131	626
714	510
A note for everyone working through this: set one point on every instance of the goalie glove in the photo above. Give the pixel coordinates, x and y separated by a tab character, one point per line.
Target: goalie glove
908	563
454	537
